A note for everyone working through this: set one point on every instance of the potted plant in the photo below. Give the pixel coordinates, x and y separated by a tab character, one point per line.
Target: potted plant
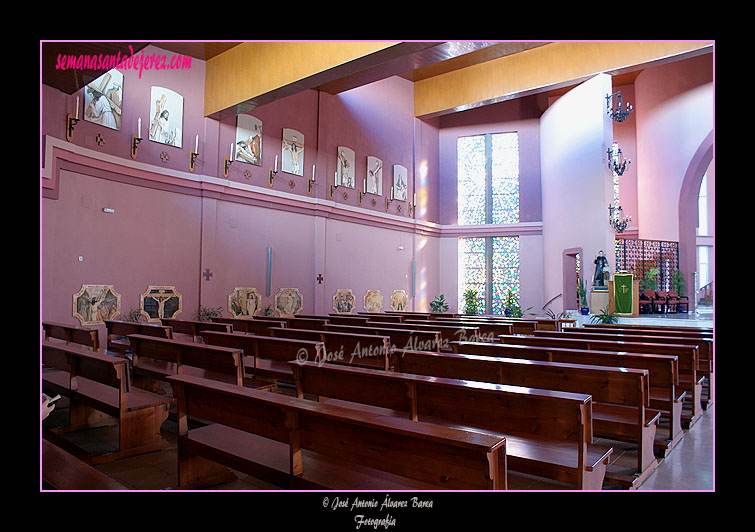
511	306
650	281
678	283
205	313
439	304
604	317
268	310
471	304
582	296
134	316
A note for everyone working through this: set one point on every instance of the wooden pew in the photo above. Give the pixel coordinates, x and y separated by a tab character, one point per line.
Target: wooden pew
346	319
465	331
297	322
156	358
620	395
98	389
516	326
194	328
665	394
704	346
266	357
688	355
250	325
83	336
448	332
63	471
645	326
560	448
403	338
365	350
376	316
118	331
302	444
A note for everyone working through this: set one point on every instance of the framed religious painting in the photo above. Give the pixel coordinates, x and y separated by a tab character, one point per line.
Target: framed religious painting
95	303
248	140
344	301
288	302
399	300
244	302
345	167
374	184
160	302
166	111
373	301
292	148
102	100
399	182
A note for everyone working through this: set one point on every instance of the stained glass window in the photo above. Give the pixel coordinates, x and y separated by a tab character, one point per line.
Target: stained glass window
505	275
505	178
471	180
488	179
473	271
490	265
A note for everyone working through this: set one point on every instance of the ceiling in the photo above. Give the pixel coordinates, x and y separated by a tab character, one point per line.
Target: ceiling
424	60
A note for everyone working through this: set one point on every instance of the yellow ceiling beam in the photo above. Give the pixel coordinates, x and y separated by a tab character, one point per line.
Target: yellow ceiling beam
252	69
544	66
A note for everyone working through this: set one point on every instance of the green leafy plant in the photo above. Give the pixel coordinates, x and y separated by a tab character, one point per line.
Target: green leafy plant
650	281
604	316
678	282
511	306
582	293
205	313
439	304
134	315
471	304
552	315
268	310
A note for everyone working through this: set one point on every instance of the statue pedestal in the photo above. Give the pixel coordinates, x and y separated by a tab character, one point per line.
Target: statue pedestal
598	300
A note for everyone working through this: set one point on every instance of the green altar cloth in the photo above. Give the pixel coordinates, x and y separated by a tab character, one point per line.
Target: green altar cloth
622	293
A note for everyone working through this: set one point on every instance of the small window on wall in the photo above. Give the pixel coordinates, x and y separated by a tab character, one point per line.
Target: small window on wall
488	179
702	208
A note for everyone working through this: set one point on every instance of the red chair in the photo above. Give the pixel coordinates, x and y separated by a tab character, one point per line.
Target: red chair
660	302
647	298
676	301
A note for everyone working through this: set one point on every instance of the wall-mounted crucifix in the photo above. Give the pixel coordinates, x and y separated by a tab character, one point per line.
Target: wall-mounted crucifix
320	278
207	274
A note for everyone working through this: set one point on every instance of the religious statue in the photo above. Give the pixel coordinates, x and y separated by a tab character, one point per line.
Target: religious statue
602	272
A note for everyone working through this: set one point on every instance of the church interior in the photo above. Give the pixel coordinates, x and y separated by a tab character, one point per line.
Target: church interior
421	266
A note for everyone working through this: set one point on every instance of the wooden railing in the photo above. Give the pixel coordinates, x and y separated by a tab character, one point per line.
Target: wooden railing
705	294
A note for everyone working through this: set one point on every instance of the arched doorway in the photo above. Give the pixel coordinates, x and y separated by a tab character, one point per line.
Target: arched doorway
688	212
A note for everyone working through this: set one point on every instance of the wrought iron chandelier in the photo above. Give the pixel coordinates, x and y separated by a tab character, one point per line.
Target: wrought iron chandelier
616	219
616	161
614	109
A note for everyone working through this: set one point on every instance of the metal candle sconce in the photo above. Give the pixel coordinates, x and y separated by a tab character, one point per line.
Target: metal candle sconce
136	139
193	155
71	122
227	162
273	172
311	181
388	200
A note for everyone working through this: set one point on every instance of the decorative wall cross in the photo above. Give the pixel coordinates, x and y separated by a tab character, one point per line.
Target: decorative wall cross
320	278
207	274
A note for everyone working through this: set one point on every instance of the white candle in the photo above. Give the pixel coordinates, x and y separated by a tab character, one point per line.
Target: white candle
77	107
196	145
276	163
230	157
364	185
313	172
139	132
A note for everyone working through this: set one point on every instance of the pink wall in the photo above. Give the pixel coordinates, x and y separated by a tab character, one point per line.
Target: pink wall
170	225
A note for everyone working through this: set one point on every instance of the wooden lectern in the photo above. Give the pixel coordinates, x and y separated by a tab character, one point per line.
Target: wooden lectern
635	299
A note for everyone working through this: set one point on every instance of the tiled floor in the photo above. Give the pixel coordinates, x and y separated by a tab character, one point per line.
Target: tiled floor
689	466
